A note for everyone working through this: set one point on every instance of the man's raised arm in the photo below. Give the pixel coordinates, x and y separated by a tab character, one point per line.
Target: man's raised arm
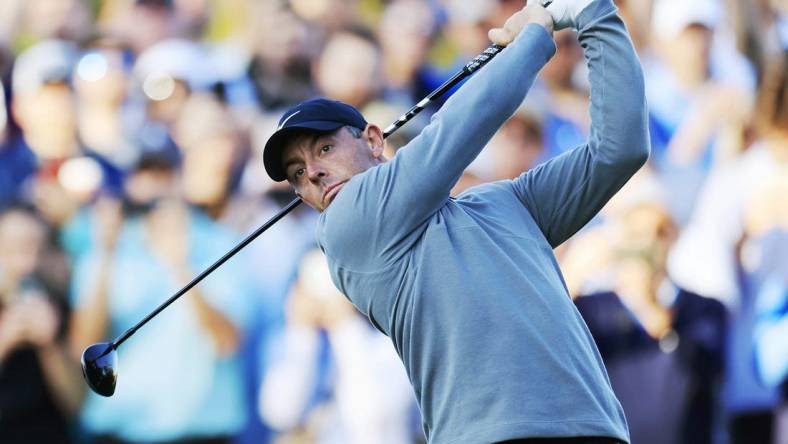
408	189
566	192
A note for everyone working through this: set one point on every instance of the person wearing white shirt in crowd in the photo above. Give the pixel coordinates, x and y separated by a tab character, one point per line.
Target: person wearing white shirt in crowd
369	399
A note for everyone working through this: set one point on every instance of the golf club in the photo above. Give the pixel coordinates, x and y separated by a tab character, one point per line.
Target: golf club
100	362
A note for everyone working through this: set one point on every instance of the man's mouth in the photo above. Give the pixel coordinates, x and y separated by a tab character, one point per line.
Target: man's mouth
331	192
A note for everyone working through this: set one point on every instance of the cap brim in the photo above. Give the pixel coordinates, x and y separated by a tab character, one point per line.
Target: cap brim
272	153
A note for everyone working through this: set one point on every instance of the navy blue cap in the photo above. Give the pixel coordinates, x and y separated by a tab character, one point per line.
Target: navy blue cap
316	115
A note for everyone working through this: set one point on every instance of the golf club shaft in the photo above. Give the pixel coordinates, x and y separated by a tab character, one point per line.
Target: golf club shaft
208	270
466	71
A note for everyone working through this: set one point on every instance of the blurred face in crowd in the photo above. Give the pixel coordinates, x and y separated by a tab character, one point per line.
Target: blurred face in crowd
318	165
210	142
206	169
647	233
688	53
48	120
696	41
348	69
404	36
100	86
21	240
279	36
468	24
149	21
150	183
641	250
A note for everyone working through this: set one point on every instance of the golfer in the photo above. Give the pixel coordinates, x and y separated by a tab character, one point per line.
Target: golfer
468	288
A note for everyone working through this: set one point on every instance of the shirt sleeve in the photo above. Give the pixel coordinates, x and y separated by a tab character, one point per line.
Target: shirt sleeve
289	382
397	197
771	332
564	193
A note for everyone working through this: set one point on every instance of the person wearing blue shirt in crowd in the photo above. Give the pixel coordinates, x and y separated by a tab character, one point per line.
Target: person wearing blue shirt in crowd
770	328
468	288
663	346
184	379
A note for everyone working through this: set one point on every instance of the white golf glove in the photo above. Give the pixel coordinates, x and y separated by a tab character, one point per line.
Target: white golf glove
565	12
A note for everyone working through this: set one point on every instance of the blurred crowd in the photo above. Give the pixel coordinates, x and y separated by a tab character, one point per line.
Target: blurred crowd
130	159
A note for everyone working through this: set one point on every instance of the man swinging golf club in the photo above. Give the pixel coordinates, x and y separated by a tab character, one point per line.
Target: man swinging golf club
468	288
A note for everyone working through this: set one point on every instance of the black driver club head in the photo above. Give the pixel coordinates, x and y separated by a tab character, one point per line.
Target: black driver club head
100	368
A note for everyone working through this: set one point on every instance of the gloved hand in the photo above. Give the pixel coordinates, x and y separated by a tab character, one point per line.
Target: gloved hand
565	12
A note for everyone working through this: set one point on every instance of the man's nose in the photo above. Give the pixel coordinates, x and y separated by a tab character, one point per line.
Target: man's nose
315	172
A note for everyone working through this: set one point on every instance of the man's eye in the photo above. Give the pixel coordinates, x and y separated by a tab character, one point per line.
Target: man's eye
327	148
298	173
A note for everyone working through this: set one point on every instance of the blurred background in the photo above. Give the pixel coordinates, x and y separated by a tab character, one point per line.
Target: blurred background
130	158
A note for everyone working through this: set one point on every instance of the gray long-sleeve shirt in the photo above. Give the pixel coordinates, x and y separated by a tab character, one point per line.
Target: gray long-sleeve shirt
468	289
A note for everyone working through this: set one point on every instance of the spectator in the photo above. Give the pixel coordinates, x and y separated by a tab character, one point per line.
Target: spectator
213	154
40	384
181	378
100	81
334	379
738	199
43	101
349	68
760	29
766	231
662	345
696	90
406	32
284	45
140	23
44	106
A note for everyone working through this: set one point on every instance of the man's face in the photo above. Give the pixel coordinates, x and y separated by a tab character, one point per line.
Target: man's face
318	165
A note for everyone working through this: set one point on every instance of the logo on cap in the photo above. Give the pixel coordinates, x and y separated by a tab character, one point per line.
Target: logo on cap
281	125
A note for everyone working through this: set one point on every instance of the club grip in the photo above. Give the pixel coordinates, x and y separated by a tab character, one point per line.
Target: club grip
482	59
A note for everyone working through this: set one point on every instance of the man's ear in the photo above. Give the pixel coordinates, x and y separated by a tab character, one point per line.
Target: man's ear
373	135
